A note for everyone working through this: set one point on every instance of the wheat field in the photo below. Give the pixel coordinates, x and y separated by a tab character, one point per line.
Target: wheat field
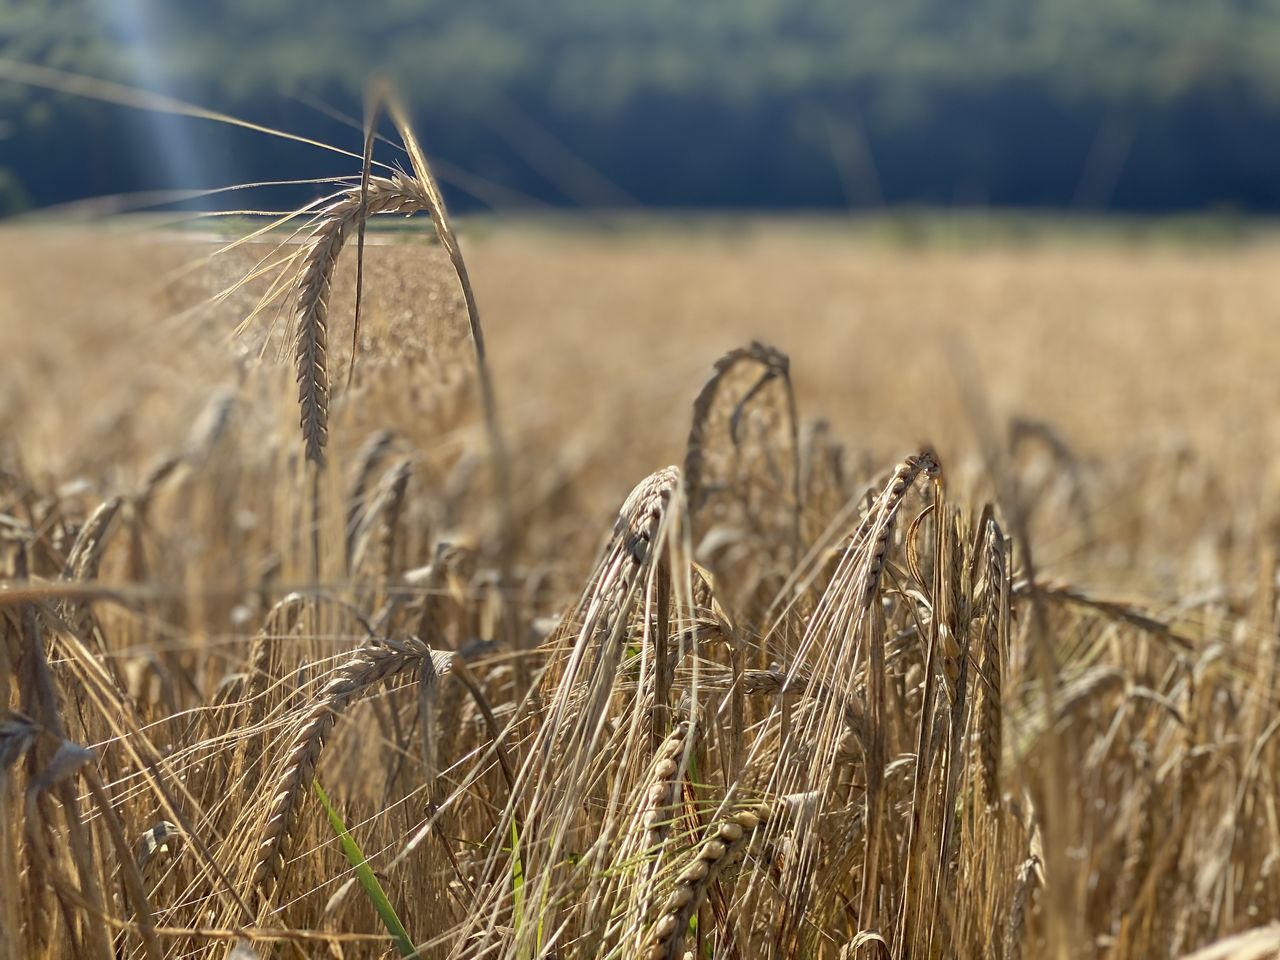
951	631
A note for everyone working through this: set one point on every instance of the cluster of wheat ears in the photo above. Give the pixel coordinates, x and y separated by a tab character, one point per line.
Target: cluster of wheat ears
337	697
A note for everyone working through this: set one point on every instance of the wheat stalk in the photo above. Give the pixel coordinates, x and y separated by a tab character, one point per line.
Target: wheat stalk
994	635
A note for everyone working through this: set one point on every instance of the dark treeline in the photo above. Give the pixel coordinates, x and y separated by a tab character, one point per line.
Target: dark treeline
1091	104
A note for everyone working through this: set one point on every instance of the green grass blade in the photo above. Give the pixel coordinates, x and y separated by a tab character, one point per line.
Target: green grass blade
368	882
517	876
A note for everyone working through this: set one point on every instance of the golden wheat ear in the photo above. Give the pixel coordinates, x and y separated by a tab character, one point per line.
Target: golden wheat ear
775	365
377	662
396	194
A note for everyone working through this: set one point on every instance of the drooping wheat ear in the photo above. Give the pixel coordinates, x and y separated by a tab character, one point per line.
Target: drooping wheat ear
724	843
368	459
1015	926
767	683
263	659
990	738
1111	609
377	535
86	554
396	194
210	425
374	663
710	619
776	365
1140	842
155	842
606	605
86	557
1066	463
1079	694
643	510
694	449
160	471
655	813
876	529
607	601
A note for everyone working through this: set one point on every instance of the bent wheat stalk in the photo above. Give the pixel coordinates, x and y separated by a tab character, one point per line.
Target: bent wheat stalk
435	206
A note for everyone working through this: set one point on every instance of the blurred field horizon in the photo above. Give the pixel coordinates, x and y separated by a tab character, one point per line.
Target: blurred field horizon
1130	339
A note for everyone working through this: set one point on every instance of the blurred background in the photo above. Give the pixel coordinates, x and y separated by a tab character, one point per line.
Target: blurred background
1082	192
1036	237
1116	105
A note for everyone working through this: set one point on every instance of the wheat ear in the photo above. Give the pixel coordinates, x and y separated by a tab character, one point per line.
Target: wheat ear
85	559
777	365
396	194
664	790
374	663
723	844
369	457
